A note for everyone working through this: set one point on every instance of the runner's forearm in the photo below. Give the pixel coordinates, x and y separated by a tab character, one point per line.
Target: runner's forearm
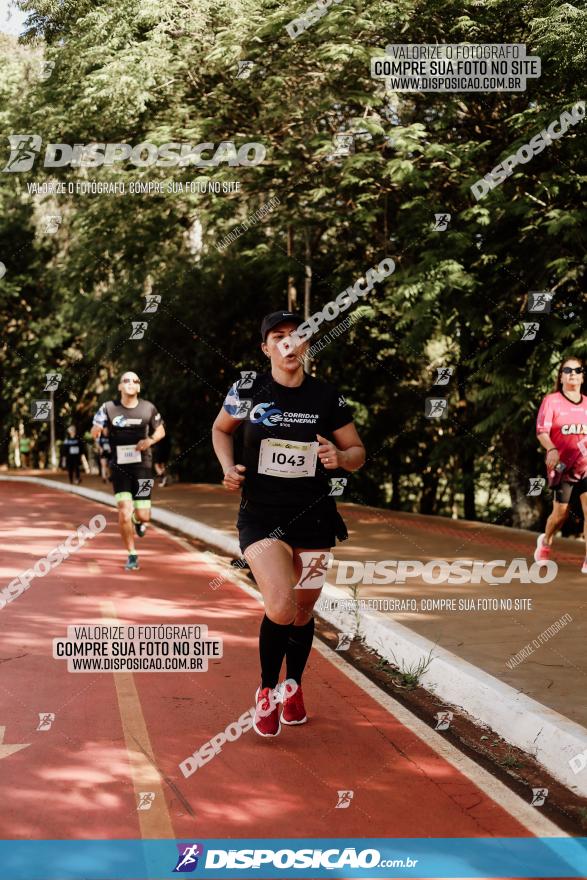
353	458
545	441
223	444
158	434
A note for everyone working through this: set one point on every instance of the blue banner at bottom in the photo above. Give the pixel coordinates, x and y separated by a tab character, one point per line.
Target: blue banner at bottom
487	857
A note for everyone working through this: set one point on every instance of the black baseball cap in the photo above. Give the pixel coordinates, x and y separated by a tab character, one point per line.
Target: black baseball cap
275	318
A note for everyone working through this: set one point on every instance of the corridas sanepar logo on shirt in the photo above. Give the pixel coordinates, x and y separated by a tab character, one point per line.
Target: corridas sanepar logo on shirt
265	413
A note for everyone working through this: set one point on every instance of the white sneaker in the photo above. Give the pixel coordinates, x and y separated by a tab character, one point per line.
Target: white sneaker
584	567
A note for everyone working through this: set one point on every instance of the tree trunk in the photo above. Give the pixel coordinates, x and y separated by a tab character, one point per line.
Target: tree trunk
429	489
468	471
292	294
396	501
527	510
467	453
307	275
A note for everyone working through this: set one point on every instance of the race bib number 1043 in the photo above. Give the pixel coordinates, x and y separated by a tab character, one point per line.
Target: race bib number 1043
287	458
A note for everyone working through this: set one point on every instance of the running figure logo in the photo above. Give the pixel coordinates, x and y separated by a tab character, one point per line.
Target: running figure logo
138	329
46	70
24	149
41	410
539	796
443	375
146	799
187	861
52	223
435	407
314	567
245	68
344	641
145	488
530	330
441	222
246	380
152	301
337	485
539	301
46	719
344	800
537	484
243	408
443	720
344	145
53	380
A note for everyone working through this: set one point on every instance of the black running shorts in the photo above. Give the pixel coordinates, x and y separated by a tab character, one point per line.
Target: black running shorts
134	480
313	528
565	490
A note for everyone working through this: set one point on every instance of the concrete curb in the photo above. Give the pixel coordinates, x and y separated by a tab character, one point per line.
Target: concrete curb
548	736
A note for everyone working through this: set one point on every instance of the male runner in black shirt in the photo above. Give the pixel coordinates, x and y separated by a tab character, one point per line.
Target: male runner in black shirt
287	520
129	421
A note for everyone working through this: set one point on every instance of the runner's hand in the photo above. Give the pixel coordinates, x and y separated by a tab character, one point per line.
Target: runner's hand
552	457
233	479
142	445
328	454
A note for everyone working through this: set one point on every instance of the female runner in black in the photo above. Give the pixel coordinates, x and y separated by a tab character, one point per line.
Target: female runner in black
298	438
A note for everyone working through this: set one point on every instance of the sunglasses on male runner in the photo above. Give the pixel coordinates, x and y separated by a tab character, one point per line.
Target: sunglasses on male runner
569	370
134	381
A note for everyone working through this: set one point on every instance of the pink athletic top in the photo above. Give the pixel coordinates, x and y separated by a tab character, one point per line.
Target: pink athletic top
566	424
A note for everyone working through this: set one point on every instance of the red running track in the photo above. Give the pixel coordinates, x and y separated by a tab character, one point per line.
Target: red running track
115	735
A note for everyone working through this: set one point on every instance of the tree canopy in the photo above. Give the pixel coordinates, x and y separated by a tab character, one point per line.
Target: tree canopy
171	71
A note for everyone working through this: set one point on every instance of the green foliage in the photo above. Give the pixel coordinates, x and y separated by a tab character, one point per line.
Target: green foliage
166	71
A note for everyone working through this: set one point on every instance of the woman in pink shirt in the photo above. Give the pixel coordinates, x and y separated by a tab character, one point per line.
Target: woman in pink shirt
561	428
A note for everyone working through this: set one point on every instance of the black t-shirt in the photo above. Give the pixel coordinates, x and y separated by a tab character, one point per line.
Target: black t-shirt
71	447
126	426
279	426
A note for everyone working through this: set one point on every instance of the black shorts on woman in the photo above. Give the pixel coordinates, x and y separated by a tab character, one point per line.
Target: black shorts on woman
287	493
568	491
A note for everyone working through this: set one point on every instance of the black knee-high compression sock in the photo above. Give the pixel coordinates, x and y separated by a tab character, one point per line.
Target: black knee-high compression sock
298	649
273	638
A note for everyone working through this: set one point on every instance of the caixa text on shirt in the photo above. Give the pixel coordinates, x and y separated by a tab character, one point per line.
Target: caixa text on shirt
573	429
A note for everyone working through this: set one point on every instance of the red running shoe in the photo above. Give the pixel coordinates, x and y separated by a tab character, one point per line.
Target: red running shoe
294	711
266	720
542	551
